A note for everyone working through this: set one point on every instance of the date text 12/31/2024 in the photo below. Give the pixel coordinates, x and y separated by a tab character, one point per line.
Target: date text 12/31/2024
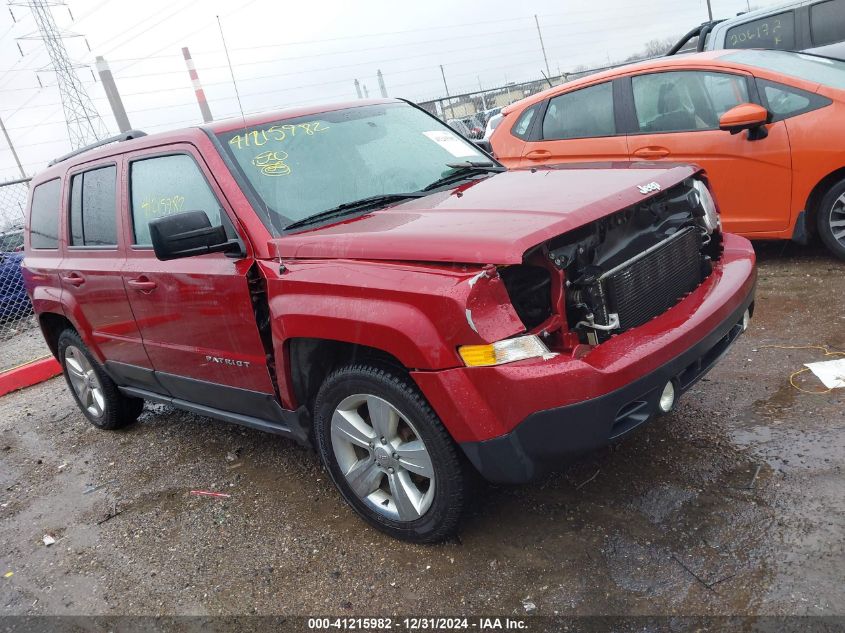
418	624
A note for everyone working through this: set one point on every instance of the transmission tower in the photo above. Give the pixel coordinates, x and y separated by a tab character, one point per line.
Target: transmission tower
84	124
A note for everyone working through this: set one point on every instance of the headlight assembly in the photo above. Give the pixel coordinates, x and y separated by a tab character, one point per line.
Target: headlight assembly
710	219
506	351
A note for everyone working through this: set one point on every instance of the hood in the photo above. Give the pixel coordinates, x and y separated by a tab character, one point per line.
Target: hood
490	221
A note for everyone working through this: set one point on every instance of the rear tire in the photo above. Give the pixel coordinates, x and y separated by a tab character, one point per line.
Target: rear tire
95	392
388	453
830	219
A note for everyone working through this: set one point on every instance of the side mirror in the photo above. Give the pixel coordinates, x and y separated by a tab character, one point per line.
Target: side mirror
188	234
746	116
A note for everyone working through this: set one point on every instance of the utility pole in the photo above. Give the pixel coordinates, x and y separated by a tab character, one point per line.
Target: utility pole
709	11
381	85
366	92
543	46
84	124
12	148
195	82
445	85
483	97
113	95
358	89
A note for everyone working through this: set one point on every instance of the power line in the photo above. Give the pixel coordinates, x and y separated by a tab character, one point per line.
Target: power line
84	124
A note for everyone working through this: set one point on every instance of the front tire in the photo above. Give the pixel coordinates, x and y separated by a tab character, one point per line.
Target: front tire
388	453
831	219
95	392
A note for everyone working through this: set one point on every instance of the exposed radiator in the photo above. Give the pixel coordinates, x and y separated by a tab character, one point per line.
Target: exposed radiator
652	282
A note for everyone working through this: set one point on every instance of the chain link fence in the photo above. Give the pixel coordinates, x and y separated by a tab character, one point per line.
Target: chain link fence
19	335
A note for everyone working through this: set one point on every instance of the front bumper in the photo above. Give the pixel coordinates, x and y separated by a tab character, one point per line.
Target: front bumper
516	422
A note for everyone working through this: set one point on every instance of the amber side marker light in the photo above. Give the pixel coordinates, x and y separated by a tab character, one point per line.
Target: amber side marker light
501	352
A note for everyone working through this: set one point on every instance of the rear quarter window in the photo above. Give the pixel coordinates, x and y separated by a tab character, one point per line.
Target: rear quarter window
773	31
44	214
522	126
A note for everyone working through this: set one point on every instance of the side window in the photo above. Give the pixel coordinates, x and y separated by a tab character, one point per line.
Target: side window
44	215
686	101
167	185
774	31
523	123
92	208
786	101
581	114
827	22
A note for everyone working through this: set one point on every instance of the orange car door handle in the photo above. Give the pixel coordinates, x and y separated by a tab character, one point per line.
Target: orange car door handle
142	283
74	279
651	152
538	154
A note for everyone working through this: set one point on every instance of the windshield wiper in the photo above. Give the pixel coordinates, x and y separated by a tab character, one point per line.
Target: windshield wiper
462	171
351	207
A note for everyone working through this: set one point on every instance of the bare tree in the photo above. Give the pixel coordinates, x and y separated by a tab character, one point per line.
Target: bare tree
658	46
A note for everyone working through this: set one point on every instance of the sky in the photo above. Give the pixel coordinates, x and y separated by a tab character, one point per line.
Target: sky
287	54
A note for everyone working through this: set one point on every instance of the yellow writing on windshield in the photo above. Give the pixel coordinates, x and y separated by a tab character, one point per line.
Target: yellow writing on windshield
272	163
257	138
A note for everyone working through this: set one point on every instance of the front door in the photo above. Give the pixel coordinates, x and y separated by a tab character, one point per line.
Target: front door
195	314
677	119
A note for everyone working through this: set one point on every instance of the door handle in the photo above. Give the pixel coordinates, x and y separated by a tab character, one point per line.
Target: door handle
142	283
538	154
651	152
74	279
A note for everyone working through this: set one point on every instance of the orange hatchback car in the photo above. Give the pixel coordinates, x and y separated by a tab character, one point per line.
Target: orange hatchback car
767	126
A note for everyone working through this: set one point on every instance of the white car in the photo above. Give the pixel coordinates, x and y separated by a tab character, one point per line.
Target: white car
492	124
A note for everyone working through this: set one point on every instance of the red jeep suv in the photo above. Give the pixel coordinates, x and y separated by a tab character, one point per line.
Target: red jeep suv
361	278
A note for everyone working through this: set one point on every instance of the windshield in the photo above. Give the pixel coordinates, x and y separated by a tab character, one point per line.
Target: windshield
830	72
299	167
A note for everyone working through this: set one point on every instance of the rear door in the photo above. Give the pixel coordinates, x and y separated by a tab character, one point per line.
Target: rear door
578	126
676	118
195	314
90	272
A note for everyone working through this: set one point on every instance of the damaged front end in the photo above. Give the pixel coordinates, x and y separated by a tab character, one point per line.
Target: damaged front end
615	273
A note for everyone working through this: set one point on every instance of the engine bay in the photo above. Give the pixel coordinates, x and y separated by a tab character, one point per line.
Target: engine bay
621	270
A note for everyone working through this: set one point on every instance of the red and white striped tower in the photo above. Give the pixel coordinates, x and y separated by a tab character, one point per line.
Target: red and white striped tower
195	80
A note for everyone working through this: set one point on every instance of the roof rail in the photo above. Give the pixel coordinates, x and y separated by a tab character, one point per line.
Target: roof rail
123	136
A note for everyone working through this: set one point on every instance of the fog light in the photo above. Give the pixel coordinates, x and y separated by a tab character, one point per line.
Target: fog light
746	320
667	398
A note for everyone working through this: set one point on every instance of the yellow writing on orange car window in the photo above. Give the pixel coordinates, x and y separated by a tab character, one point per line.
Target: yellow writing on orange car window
272	163
257	138
160	206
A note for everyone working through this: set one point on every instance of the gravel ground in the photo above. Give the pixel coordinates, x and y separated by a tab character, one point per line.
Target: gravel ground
21	342
733	504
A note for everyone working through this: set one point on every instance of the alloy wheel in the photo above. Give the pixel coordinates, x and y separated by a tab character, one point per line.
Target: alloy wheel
382	457
84	381
836	219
